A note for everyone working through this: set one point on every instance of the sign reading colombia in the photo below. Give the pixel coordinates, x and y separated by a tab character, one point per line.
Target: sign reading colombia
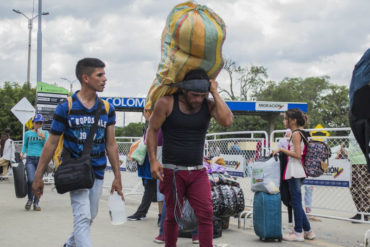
119	102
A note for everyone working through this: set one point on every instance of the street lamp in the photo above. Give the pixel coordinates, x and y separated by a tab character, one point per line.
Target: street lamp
30	24
70	83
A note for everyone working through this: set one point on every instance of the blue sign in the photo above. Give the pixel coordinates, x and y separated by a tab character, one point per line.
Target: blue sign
119	102
327	183
137	104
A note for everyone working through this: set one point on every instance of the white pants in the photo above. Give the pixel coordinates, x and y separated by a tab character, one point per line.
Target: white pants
85	205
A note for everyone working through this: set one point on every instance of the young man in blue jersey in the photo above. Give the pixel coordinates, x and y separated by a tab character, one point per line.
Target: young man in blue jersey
184	119
76	125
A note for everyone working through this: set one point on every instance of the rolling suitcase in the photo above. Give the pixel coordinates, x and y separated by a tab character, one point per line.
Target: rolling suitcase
267	216
20	179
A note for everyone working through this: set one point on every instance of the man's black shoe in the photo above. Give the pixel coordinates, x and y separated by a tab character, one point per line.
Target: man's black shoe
135	217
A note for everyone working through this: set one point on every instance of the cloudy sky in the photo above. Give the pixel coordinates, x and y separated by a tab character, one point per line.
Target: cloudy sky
291	38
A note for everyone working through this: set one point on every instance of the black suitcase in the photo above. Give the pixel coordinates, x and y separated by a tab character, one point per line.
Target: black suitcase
20	178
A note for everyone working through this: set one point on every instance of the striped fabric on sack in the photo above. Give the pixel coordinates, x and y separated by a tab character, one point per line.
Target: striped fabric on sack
192	38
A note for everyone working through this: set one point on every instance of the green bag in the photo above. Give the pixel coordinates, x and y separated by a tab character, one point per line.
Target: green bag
139	153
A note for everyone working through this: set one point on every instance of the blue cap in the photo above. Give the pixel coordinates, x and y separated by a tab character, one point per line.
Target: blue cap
38	118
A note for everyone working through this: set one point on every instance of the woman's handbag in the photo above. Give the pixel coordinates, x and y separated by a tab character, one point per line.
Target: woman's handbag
77	173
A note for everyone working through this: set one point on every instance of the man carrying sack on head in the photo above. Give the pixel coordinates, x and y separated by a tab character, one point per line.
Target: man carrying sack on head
184	120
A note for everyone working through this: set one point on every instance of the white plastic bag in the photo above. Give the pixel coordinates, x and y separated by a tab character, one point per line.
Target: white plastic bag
266	175
117	210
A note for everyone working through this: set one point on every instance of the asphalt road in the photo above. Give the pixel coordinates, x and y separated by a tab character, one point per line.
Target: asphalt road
51	226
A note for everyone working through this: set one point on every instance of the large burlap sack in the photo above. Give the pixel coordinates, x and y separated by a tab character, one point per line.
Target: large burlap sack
192	38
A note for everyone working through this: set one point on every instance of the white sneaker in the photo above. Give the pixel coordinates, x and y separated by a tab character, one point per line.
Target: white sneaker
294	236
310	235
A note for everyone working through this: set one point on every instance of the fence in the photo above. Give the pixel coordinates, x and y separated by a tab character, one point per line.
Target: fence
124	144
331	195
238	149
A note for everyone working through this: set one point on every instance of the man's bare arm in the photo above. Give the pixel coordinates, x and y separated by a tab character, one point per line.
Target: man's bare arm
218	108
156	120
112	152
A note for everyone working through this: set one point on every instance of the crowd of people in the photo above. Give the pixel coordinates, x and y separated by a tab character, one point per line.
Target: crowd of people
176	128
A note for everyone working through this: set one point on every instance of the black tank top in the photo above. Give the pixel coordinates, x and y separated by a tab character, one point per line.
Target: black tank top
184	135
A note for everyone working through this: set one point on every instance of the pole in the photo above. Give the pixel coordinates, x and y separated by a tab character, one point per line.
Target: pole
29	52
24	130
39	44
70	83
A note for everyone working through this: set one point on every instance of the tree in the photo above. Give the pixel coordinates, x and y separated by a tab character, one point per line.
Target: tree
10	94
327	103
241	122
251	80
132	129
332	108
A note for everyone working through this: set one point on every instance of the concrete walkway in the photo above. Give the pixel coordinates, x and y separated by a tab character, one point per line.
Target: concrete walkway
53	224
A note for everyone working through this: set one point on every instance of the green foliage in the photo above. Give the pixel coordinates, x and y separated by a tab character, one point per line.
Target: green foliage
132	129
327	103
332	108
10	94
241	122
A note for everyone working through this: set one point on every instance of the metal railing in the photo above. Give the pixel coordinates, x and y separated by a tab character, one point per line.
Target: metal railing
332	193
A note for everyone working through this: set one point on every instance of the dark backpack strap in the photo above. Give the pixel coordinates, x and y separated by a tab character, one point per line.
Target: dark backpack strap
304	137
66	153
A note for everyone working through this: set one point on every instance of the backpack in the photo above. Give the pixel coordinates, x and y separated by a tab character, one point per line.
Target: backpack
359	116
57	157
317	153
359	88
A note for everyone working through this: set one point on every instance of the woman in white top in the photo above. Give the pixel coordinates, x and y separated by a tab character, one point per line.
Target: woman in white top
6	152
294	173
